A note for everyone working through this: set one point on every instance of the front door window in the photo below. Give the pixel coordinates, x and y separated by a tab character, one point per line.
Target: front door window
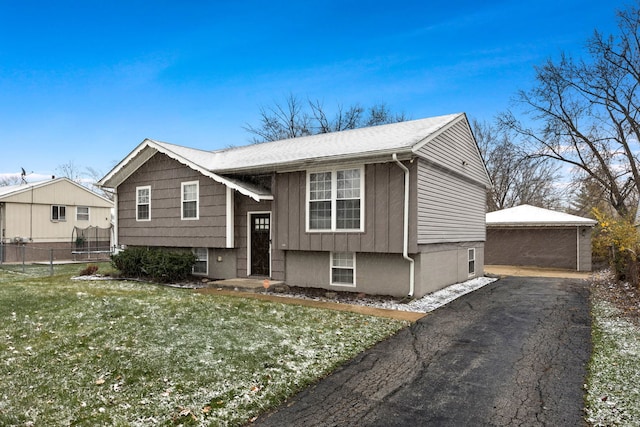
260	241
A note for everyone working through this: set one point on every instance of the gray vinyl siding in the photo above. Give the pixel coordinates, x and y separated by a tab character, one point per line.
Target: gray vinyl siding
584	249
456	150
165	176
383	204
450	207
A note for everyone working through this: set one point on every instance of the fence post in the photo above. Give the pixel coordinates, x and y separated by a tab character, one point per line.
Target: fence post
51	262
24	250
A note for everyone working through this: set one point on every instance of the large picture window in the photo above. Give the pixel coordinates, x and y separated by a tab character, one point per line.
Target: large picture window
143	203
335	200
190	200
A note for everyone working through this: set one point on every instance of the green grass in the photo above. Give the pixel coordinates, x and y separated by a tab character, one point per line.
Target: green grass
124	353
613	388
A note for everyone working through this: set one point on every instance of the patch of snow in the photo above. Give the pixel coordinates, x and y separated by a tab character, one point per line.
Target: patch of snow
425	304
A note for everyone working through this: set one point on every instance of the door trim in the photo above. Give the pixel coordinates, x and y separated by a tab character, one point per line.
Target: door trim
249	229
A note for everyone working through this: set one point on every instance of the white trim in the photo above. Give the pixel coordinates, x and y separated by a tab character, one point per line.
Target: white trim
182	200
249	227
193	250
155	147
331	267
88	213
469	259
334	187
59	219
230	220
143	187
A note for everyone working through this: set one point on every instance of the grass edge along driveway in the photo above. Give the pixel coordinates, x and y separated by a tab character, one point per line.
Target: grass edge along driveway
125	353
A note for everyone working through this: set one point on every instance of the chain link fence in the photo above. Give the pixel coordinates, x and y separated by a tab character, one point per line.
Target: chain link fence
27	258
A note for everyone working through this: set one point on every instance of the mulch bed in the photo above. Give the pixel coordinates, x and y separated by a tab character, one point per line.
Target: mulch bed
621	294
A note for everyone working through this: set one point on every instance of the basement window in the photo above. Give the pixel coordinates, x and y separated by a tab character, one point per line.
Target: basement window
202	261
343	268
472	262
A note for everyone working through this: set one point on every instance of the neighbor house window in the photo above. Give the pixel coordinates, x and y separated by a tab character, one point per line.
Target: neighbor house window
143	203
58	213
343	268
335	200
190	200
82	213
202	261
472	261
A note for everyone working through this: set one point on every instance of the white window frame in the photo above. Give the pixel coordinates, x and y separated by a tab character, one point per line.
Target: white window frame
183	201
138	204
334	193
205	259
471	258
85	216
57	208
352	267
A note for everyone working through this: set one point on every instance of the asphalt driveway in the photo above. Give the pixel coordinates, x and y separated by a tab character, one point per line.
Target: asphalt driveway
511	353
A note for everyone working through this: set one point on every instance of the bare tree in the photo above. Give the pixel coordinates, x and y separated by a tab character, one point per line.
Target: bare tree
294	118
587	112
517	178
10	180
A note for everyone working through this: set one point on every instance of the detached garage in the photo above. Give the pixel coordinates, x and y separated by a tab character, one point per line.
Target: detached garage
530	236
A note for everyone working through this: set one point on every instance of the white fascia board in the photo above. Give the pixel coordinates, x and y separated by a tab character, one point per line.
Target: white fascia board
147	143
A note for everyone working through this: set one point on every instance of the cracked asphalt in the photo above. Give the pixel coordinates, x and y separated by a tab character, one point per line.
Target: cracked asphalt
512	353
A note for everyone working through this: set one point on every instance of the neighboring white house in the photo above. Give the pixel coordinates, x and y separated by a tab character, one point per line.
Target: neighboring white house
530	236
41	218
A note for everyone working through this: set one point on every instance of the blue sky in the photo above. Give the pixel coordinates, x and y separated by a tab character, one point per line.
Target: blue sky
87	81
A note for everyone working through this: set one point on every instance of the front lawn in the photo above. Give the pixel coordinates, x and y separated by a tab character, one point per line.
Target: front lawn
613	387
126	353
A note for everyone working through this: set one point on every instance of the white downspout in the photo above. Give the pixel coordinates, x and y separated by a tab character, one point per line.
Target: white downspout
405	246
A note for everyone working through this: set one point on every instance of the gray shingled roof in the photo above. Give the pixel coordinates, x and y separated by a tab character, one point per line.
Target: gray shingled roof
400	138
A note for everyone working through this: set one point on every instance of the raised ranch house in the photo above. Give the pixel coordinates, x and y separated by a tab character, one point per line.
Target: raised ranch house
47	219
396	209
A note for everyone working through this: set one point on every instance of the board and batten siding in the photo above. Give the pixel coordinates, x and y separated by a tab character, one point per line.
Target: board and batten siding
165	175
383	204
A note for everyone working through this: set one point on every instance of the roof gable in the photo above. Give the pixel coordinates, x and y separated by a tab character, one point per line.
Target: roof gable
58	190
402	138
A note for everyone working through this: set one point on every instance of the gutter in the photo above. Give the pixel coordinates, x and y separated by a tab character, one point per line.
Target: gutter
405	245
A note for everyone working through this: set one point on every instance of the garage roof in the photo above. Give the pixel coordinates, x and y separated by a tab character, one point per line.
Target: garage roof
527	215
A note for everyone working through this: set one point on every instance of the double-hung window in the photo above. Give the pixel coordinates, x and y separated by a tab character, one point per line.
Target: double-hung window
472	261
343	268
335	200
190	200
82	213
202	260
143	203
58	213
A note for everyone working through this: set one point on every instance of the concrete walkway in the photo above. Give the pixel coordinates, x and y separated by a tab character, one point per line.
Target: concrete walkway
511	353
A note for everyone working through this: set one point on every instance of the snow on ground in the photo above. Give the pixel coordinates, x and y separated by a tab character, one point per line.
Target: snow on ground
425	304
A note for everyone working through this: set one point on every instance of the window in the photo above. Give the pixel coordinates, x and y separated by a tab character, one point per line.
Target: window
82	213
472	261
335	200
202	262
58	213
343	268
190	200
143	203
